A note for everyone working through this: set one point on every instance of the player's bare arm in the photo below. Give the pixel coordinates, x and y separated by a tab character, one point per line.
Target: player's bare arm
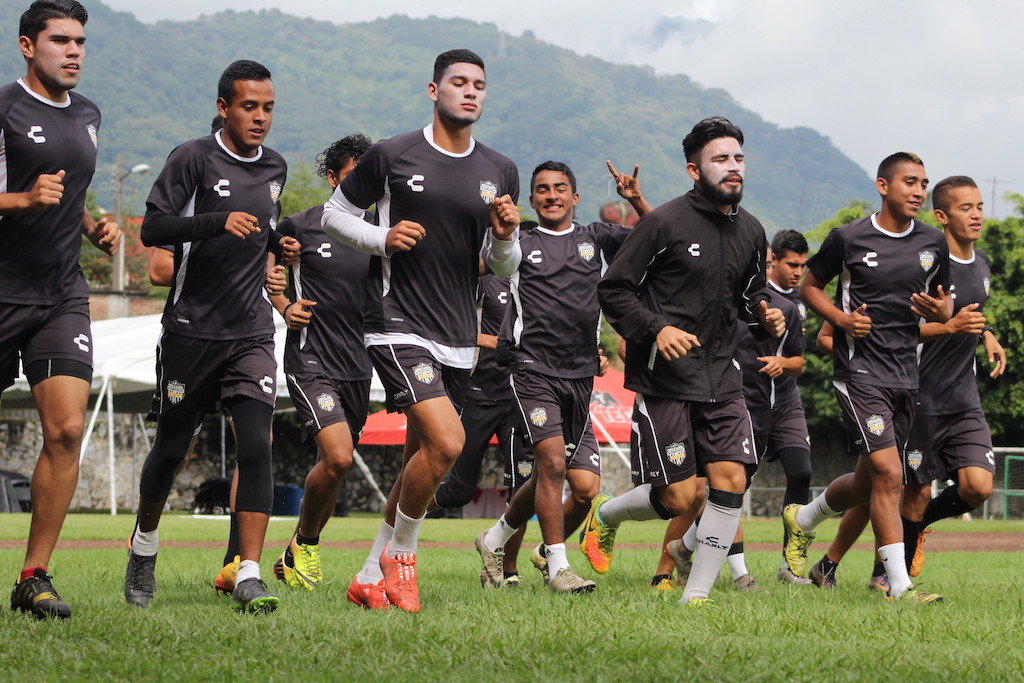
776	366
403	236
856	324
276	279
968	320
504	217
105	235
47	191
241	224
996	353
771	319
936	309
487	341
674	343
297	314
628	187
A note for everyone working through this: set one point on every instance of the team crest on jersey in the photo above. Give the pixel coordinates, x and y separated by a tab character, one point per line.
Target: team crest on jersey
175	391
914	459
927	259
91	129
586	250
424	372
488	191
539	416
985	283
275	190
802	310
326	402
875	424
524	468
676	453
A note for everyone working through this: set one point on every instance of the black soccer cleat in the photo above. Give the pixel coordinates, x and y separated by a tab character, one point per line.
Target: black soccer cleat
37	595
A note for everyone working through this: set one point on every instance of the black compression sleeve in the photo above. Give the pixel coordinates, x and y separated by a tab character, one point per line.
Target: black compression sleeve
159	228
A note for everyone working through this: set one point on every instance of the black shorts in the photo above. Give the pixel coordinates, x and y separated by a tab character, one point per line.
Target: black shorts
672	439
939	445
788	430
38	333
196	375
583	456
321	402
552	406
410	374
875	417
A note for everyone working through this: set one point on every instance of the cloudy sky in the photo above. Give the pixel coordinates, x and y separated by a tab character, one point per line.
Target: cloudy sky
935	77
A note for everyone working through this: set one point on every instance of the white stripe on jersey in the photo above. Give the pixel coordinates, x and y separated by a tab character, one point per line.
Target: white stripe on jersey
3	164
186	248
297	282
384	219
844	290
517	309
842	389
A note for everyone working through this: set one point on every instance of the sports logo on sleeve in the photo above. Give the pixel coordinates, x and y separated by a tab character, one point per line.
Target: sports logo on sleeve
676	453
985	283
91	130
927	259
488	191
275	190
914	459
175	391
586	250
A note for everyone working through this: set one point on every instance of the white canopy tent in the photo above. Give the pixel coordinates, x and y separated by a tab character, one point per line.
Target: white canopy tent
124	379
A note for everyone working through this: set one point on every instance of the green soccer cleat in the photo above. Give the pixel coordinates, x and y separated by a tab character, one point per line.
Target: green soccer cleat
37	595
915	596
798	541
299	566
597	539
252	596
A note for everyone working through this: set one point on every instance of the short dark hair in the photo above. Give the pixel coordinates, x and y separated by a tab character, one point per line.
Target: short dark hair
889	164
216	124
789	240
41	11
705	131
557	166
446	59
338	154
944	188
242	70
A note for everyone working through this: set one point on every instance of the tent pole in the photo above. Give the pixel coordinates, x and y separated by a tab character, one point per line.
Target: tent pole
611	441
361	464
92	420
110	446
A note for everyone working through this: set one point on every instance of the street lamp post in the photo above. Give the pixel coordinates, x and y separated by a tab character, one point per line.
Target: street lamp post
119	279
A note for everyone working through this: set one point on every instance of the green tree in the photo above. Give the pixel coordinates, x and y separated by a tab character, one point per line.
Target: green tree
303	190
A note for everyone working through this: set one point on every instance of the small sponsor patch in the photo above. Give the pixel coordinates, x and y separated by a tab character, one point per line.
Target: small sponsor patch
676	453
875	424
275	190
539	416
524	468
175	391
488	191
326	402
424	372
586	250
927	259
914	459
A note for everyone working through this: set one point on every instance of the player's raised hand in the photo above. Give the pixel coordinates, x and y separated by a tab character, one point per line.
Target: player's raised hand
504	217
674	343
276	280
241	224
47	192
856	324
628	186
772	319
106	236
298	314
403	236
290	248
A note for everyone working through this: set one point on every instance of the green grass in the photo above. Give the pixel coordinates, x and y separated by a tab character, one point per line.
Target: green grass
624	631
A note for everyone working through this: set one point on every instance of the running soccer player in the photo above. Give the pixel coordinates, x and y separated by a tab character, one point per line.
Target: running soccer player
49	141
440	196
216	200
327	367
553	330
688	270
893	272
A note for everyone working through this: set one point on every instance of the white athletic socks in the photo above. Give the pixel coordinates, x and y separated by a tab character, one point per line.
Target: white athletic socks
247	569
737	565
895	568
371	573
497	536
557	560
690	537
144	543
814	513
407	530
634	504
714	537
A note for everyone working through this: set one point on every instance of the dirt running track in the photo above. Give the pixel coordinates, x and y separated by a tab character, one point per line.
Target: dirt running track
946	541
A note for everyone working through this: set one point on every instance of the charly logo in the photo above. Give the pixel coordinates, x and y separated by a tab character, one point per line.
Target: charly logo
539	416
875	424
34	134
586	250
676	453
326	402
221	187
175	391
91	130
424	372
927	259
524	468
488	191
914	459
275	190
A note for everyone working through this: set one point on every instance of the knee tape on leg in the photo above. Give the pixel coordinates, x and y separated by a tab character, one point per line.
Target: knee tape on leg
658	506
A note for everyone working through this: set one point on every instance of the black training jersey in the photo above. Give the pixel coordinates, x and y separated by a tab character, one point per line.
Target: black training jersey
334	275
217	291
948	368
882	270
555	313
429	291
763	393
488	385
40	250
792	295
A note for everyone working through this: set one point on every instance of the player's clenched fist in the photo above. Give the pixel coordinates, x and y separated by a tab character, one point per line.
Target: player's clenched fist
504	217
48	191
403	236
856	324
241	224
674	343
772	319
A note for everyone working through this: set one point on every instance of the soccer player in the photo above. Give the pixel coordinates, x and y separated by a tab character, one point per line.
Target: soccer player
553	329
893	273
216	200
440	196
688	270
327	367
49	142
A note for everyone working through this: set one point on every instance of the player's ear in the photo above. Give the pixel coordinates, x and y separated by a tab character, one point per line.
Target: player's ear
27	48
693	170
222	107
941	217
882	185
432	91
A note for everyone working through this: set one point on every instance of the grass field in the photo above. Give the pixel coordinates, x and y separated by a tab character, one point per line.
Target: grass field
623	632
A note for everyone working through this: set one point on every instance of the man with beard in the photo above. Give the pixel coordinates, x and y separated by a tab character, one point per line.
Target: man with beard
681	279
440	196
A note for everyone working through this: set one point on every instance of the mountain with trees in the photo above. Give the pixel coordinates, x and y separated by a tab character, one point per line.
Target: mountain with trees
156	85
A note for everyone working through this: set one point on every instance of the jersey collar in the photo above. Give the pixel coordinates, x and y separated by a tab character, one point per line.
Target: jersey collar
245	160
428	133
965	262
778	289
45	100
876	226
